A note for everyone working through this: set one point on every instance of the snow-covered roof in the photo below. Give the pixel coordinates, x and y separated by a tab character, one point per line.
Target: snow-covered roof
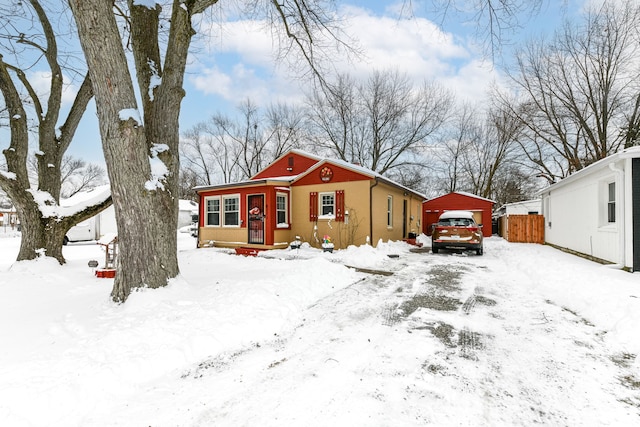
187	205
284	179
321	161
464	193
72	205
361	170
627	153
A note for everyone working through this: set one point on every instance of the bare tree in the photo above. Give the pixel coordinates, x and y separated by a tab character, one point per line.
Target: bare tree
29	42
449	153
225	149
513	184
380	123
495	20
490	153
580	93
479	154
286	129
145	192
78	176
199	156
188	181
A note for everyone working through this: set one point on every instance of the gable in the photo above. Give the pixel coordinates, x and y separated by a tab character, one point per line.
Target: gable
326	172
290	164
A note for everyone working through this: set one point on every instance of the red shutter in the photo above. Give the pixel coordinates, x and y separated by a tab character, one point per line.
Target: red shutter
313	206
339	205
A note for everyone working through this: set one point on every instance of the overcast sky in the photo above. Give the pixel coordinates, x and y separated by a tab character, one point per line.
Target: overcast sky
234	60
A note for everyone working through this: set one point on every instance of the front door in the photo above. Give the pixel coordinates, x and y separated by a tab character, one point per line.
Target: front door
255	215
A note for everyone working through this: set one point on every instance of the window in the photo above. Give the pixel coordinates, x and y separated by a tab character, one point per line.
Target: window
611	203
282	211
327	204
231	211
389	211
212	212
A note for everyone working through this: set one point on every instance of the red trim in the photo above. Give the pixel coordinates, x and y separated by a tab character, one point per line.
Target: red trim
340	205
313	206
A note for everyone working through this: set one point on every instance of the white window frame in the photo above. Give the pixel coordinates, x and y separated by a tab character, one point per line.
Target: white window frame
605	204
321	205
284	224
206	211
389	211
611	203
223	209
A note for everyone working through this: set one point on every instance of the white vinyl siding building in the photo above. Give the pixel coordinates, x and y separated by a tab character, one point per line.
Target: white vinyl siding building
591	212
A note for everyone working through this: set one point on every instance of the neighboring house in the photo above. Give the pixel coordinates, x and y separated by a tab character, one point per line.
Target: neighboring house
8	217
596	211
524	218
186	210
93	228
104	223
304	197
458	200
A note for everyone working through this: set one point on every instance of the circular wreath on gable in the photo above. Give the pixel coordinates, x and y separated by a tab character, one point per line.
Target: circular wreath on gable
326	174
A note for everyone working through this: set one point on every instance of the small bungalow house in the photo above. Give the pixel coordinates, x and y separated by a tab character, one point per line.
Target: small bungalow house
596	211
301	196
458	200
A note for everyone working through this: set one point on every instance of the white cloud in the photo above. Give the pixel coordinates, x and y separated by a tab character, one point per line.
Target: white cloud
472	81
212	81
41	82
241	60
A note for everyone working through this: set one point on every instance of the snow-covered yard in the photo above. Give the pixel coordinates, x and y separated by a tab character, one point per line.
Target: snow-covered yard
523	335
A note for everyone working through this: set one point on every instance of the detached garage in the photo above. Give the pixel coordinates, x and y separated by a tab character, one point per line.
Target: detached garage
458	200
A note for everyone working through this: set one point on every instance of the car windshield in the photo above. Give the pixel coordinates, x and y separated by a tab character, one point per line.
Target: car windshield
455	222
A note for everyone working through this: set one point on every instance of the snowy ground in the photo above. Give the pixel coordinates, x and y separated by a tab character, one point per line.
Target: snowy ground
522	335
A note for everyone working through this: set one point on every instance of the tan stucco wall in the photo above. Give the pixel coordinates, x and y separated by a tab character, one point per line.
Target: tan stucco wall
381	192
223	234
282	237
357	229
351	232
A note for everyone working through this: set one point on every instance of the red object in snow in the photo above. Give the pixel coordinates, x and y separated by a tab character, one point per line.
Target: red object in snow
107	273
248	251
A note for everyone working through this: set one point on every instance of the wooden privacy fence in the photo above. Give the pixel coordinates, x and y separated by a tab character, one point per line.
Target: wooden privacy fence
525	229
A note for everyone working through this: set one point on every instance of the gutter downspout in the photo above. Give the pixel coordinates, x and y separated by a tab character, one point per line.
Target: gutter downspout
371	210
621	229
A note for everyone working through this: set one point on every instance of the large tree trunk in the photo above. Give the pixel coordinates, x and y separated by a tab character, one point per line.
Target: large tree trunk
146	209
39	235
44	235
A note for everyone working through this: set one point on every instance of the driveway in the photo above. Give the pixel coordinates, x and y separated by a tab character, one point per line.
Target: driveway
448	339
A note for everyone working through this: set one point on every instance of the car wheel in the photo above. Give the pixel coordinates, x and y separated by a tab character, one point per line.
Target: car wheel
479	251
